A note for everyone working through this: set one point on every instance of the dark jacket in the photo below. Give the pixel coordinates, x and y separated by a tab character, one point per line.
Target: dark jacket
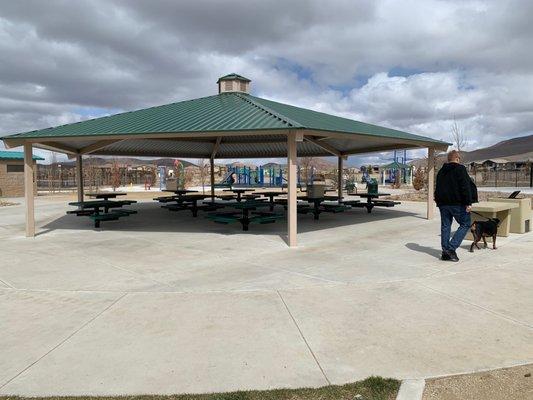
454	186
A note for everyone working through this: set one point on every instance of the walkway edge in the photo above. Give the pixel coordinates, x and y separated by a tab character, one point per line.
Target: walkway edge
411	389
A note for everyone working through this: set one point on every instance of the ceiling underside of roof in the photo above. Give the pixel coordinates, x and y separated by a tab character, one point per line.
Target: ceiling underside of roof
249	146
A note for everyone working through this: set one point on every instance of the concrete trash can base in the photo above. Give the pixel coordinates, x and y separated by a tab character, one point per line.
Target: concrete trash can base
520	216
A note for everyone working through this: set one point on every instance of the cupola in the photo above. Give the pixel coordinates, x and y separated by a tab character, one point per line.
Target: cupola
233	83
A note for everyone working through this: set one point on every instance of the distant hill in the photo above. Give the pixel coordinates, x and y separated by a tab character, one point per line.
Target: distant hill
508	148
516	149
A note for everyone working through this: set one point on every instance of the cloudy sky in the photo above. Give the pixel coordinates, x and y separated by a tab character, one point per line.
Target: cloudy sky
415	65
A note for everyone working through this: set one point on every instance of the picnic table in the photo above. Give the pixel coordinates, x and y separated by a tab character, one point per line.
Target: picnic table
105	195
190	202
238	192
246	214
180	192
371	201
99	210
317	202
271	196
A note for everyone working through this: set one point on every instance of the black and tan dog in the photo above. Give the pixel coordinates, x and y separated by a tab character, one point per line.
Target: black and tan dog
482	230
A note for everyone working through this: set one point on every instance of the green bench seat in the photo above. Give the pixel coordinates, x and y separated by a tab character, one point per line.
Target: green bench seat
385	203
81	213
335	208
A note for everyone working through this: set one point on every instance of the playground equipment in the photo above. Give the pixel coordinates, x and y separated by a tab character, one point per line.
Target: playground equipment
270	175
162	174
397	169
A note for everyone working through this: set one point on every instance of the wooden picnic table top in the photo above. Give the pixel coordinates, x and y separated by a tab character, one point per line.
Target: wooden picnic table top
371	195
105	195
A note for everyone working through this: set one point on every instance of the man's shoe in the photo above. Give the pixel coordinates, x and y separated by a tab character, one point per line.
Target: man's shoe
445	256
453	256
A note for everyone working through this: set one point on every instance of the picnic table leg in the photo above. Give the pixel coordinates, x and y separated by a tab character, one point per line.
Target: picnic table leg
194	208
245	220
316	211
238	196
271	207
369	205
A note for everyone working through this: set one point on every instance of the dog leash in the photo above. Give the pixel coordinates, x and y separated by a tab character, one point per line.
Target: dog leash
482	216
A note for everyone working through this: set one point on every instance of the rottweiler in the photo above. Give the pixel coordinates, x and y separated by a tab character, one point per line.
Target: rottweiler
483	229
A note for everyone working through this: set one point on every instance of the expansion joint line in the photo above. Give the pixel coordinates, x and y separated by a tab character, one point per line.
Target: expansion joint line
303	338
488	310
64	340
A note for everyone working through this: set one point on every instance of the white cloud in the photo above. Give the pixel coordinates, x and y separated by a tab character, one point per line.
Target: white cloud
415	65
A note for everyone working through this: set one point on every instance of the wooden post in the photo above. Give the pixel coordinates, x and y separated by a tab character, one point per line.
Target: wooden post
28	189
339	177
79	176
431	183
212	166
292	220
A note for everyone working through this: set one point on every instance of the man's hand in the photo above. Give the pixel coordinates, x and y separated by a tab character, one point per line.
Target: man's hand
468	209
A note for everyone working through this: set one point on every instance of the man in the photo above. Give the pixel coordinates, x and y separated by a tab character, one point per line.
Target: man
454	195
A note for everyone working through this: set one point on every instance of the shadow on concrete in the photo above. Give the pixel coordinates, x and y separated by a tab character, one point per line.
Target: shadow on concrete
424	249
152	218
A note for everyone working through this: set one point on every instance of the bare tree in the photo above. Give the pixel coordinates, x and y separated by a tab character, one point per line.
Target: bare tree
202	166
307	164
115	175
458	137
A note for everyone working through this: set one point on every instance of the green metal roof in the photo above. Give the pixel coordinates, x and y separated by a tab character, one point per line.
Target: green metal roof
16	155
230	111
233	76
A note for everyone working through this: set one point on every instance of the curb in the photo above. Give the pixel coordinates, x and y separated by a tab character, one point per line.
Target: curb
411	389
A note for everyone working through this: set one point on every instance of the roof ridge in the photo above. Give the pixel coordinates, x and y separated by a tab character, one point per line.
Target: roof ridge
287	120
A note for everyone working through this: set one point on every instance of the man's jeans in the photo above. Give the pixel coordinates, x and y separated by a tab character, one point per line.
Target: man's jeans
447	214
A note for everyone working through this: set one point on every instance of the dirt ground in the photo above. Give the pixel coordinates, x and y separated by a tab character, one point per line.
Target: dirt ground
503	384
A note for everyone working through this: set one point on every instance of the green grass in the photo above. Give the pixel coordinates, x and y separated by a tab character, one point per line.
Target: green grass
373	388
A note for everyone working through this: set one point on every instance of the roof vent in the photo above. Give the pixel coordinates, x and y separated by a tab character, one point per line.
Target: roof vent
233	83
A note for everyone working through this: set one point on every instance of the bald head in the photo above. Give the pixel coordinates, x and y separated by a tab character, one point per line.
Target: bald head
454	156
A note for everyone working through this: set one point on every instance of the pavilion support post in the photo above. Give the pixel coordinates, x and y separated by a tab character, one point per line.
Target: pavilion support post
292	220
212	168
340	175
29	189
79	176
431	183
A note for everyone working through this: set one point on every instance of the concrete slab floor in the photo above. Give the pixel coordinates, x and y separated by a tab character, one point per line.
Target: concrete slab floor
162	302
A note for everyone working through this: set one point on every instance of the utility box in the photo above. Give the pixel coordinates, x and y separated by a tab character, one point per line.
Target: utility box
520	216
316	190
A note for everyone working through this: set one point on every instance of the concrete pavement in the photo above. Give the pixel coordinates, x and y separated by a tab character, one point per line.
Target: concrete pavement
163	303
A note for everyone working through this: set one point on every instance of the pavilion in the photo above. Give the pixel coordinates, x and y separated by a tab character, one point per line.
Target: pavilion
231	124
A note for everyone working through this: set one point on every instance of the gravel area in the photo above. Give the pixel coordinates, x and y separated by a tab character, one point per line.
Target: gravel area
503	384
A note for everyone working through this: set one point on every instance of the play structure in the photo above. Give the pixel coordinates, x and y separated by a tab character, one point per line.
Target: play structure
268	175
397	169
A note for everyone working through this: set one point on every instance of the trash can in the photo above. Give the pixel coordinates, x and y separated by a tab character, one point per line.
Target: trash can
520	216
171	184
316	190
372	186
